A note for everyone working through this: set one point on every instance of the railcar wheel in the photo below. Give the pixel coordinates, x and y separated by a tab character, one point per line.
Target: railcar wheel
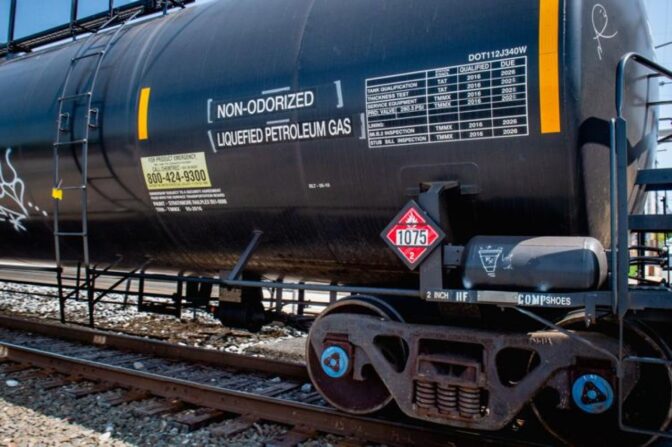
593	417
331	365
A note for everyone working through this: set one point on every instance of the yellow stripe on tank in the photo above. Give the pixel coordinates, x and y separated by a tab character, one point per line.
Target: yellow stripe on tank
143	114
549	66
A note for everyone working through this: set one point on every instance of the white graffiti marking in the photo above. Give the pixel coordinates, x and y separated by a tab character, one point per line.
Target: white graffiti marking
600	23
12	189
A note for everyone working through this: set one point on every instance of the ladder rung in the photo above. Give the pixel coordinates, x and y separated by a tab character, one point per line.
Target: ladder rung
62	234
653	223
71	97
655	179
84	56
71	143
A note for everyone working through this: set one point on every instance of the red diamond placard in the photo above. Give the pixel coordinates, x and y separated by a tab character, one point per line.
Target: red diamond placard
412	235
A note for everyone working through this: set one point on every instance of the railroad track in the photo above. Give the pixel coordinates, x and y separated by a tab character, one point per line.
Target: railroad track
236	389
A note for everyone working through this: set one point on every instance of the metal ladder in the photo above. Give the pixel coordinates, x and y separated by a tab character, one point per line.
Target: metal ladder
63	129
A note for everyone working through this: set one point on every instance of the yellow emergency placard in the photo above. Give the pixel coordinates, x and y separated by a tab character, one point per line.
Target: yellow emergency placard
176	171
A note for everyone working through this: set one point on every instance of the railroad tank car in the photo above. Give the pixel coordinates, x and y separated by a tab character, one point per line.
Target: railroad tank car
323	184
313	123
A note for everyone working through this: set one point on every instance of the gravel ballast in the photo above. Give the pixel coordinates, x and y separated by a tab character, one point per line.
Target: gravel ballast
198	329
31	416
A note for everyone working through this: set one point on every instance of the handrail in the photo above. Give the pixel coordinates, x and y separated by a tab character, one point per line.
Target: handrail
613	205
620	76
618	170
619	217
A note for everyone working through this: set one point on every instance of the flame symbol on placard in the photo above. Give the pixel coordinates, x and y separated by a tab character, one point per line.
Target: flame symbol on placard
12	189
411	219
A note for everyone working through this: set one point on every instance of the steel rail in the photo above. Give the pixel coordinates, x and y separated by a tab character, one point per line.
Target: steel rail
274	410
156	348
321	419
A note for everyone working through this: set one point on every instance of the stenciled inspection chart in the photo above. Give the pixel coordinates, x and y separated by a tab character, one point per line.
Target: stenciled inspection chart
464	102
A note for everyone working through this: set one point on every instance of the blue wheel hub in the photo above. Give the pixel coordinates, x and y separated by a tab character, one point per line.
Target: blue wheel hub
335	362
593	394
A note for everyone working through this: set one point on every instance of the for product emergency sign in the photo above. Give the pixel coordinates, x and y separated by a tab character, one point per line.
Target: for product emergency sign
176	171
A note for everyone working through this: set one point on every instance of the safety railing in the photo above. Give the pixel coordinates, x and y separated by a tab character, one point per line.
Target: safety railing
620	229
113	14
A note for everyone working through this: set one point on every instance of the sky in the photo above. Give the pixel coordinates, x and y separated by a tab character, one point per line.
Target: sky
660	16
